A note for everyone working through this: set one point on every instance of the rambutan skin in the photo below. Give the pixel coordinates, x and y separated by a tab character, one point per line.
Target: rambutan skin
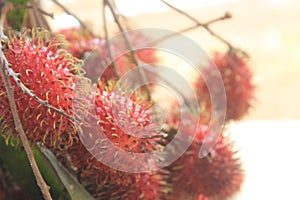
219	175
50	75
106	183
237	79
126	122
102	181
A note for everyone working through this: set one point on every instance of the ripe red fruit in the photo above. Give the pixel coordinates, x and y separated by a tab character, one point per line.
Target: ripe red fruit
237	79
104	182
126	121
79	41
216	176
49	74
99	63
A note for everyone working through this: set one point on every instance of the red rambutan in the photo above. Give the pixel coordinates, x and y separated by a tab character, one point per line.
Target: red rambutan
237	79
50	75
98	63
216	176
126	121
104	182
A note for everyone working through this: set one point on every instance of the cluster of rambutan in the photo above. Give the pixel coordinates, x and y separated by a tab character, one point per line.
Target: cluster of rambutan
219	175
50	74
125	129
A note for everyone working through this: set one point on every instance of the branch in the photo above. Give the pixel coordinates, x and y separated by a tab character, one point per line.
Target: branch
38	19
198	25
19	128
107	42
18	6
181	12
132	51
70	13
203	25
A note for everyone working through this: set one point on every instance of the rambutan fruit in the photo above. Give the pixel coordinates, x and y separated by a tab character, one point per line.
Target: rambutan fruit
98	63
237	79
50	75
219	175
79	41
126	120
123	128
104	182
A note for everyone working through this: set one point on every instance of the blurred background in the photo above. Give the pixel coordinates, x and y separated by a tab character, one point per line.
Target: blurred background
269	31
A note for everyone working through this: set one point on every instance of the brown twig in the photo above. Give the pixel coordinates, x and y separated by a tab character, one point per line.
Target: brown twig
19	128
129	46
198	25
36	16
18	6
203	25
107	42
70	13
51	15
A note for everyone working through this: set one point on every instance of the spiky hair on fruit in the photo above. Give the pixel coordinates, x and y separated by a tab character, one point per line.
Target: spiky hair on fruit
219	175
131	119
104	182
237	78
127	120
79	41
49	73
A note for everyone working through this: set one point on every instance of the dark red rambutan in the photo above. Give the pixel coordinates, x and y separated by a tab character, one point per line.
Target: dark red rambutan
50	75
126	120
79	41
219	175
104	182
237	79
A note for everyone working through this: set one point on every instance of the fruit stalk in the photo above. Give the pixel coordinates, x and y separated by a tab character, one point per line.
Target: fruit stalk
203	25
227	15
132	51
108	45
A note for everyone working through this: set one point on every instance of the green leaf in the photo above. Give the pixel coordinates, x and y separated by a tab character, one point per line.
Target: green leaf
76	190
62	184
17	17
15	160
